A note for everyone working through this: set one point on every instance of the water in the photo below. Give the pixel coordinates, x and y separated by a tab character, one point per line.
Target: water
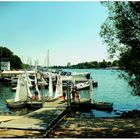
7	93
110	89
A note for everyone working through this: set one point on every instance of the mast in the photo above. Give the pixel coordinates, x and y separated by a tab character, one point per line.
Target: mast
36	81
48	60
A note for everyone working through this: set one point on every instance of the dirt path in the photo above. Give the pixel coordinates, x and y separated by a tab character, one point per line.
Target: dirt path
84	127
97	128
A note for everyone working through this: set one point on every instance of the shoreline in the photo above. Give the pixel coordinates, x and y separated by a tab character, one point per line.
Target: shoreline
72	127
97	128
80	125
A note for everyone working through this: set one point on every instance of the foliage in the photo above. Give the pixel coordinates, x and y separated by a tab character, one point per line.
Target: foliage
121	32
93	64
15	61
5	52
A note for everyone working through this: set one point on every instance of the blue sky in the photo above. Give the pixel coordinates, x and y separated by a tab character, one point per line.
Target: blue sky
70	30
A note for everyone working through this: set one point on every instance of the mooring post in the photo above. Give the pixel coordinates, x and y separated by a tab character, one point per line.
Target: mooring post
42	92
68	98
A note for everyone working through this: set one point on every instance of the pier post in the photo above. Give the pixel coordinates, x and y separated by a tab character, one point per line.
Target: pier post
42	92
68	98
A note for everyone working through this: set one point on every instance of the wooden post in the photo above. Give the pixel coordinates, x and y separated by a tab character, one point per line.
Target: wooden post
42	92
68	98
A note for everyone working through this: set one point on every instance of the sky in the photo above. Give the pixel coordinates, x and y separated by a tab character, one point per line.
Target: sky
69	30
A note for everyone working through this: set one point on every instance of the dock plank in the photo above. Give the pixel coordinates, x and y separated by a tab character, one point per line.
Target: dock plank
7	118
40	119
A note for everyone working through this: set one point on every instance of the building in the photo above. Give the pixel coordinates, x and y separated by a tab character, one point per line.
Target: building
4	64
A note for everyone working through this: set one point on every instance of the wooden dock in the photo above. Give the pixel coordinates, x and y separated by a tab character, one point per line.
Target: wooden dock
41	119
7	118
36	124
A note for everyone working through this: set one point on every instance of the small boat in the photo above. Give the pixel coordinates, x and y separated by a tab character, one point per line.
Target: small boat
82	85
102	105
22	94
58	91
18	104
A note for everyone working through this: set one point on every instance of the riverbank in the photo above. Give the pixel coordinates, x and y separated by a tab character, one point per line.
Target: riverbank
97	128
85	125
72	127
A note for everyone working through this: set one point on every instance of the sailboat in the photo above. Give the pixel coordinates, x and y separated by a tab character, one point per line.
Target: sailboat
59	87
36	88
22	94
49	97
50	93
58	92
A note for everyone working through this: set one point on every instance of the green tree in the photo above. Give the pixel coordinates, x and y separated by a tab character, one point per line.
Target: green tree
95	64
5	52
115	63
121	32
103	64
15	61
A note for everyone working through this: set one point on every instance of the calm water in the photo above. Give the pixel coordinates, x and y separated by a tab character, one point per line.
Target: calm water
110	89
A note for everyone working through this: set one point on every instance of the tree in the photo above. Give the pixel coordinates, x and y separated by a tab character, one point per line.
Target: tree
15	61
5	52
121	32
115	63
103	64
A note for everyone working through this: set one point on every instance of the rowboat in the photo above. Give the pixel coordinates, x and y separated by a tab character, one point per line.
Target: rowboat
102	105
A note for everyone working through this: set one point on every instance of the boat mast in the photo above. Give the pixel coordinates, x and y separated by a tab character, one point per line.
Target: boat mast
50	92
48	60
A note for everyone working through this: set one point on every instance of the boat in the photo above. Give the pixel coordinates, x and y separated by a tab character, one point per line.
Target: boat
11	103
59	87
82	85
22	94
58	91
102	105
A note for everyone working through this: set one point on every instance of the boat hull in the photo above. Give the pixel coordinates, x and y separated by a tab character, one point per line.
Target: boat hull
19	104
82	86
102	106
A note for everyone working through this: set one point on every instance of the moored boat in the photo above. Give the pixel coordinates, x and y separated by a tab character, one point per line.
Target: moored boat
22	94
18	104
102	105
82	85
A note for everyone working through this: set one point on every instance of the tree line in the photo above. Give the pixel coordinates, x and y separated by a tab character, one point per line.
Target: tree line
96	64
93	64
